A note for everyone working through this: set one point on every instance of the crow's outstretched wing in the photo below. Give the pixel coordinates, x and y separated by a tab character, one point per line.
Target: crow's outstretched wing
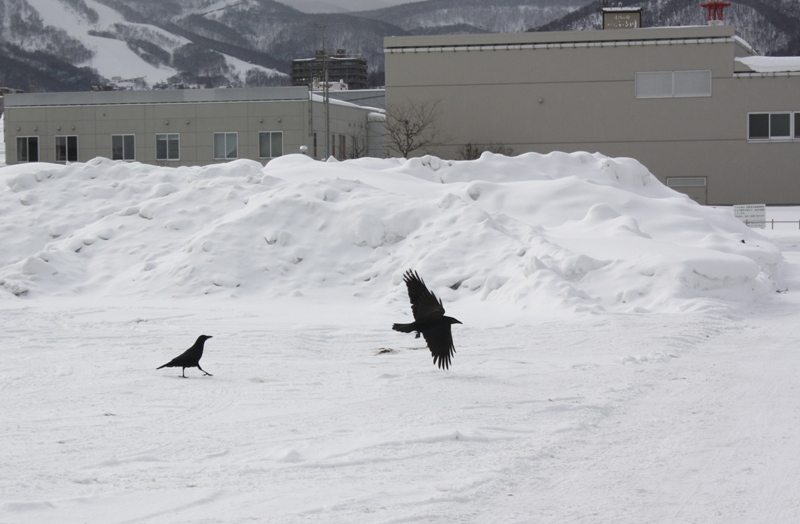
424	304
440	342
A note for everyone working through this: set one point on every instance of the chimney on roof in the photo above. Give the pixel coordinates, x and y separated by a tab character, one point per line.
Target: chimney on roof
716	12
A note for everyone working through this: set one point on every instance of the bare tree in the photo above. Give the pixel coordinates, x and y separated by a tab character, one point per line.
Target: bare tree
470	151
499	149
412	126
357	147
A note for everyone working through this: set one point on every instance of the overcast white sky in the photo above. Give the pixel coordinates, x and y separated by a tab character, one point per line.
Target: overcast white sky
332	6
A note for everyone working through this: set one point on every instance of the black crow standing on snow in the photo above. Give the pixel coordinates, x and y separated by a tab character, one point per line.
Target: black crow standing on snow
189	358
429	320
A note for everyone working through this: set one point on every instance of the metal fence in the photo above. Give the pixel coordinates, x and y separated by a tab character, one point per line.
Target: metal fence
771	222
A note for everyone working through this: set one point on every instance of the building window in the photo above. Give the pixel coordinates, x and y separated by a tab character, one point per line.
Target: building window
270	144
687	181
673	84
123	147
342	147
66	149
771	126
27	149
780	125
797	126
168	146
692	83
758	126
315	145
226	146
332	152
654	85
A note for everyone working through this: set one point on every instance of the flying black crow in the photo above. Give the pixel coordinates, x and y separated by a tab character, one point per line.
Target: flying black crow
429	320
189	358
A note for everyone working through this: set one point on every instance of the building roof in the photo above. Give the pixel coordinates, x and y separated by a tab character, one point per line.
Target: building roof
771	64
607	36
174	96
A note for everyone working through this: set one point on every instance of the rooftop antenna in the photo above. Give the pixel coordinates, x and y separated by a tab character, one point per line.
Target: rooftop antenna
716	12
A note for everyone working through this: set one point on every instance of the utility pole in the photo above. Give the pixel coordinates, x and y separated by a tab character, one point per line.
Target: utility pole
326	91
326	58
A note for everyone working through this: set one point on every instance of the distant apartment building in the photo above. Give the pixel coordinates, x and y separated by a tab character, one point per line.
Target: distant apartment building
336	67
693	104
187	127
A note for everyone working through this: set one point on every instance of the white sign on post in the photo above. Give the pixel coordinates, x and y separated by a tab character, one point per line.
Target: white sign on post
754	215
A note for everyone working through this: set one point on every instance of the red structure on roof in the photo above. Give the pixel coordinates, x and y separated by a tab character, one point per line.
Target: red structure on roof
715	10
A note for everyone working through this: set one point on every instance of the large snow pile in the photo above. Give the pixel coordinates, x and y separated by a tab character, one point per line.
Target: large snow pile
557	232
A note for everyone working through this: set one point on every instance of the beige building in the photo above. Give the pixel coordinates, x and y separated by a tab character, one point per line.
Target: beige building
686	102
186	127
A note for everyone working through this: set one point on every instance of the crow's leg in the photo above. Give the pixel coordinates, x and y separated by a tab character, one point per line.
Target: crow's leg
417	335
204	371
183	372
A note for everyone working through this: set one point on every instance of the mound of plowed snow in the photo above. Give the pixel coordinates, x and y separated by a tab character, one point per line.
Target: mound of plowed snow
557	232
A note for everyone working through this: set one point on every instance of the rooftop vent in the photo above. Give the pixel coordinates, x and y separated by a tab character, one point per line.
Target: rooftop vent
716	12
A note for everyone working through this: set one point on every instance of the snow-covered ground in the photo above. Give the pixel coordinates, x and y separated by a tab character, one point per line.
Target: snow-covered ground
625	356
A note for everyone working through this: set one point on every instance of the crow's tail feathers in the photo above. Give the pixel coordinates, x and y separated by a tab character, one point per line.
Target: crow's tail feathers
404	328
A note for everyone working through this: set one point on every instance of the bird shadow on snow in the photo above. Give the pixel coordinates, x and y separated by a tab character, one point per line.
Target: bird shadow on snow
395	351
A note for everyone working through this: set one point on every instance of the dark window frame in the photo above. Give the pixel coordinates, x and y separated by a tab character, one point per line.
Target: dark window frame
229	154
169	139
768	124
796	117
27	157
128	149
272	137
68	150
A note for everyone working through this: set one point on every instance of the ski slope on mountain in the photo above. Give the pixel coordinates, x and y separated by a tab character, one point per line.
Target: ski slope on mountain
113	58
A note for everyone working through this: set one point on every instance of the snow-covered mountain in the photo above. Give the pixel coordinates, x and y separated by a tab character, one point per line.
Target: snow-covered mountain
218	42
72	44
460	16
135	41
